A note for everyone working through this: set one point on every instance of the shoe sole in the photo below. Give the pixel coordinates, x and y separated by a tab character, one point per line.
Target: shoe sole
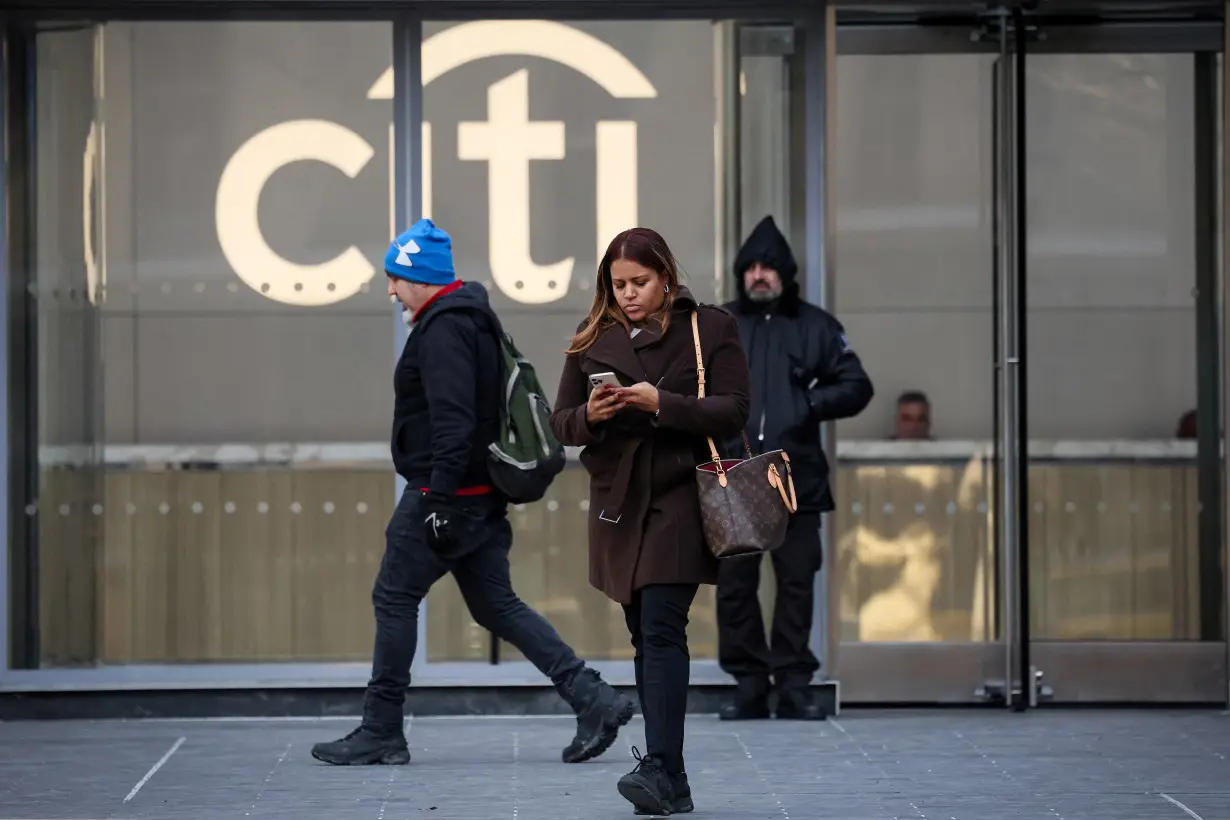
685	807
643	801
398	758
612	722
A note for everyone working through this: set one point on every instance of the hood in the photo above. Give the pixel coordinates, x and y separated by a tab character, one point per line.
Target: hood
470	294
458	296
768	246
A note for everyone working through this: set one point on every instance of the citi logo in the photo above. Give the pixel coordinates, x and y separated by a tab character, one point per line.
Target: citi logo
507	141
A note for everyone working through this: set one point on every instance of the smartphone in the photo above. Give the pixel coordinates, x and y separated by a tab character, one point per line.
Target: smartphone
597	380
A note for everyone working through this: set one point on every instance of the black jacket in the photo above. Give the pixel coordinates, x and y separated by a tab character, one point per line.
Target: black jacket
447	393
802	366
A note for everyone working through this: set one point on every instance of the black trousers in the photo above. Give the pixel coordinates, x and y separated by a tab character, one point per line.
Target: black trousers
787	657
658	622
480	566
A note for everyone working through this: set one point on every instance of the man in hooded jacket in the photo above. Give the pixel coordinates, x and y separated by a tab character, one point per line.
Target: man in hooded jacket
803	372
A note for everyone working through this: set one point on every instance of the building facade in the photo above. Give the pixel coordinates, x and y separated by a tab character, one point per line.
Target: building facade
1018	214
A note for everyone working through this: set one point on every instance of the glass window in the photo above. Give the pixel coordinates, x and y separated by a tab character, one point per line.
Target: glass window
55	595
539	149
1114	536
1113	530
913	525
213	358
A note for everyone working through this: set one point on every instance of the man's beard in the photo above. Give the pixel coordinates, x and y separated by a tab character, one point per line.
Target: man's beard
763	294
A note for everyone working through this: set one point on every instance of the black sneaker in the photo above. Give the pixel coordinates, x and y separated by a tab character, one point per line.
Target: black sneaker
797	703
601	711
682	801
364	747
648	787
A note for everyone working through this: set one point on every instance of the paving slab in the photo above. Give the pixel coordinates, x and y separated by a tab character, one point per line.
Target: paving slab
893	765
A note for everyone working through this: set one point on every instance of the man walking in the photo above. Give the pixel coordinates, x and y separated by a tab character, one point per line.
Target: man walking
447	388
804	372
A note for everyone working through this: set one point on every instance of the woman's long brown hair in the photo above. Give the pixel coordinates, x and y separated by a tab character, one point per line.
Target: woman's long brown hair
647	248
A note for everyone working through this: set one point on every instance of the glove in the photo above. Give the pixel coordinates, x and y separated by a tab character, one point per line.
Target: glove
803	380
801	377
438	521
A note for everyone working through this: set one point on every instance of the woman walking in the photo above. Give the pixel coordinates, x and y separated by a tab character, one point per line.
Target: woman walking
643	440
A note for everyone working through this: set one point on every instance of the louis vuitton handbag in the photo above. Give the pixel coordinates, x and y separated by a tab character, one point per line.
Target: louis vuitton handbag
745	504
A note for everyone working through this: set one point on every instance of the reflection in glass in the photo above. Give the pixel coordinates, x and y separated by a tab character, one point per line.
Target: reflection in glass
1113	530
63	543
226	225
913	554
1114	538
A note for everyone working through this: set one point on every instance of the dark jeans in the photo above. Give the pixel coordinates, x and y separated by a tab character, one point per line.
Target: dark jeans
480	566
742	650
658	622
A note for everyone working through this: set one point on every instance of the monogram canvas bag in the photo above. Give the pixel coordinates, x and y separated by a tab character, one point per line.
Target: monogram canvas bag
745	504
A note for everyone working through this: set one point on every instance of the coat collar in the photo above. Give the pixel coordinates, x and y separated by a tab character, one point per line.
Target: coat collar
617	350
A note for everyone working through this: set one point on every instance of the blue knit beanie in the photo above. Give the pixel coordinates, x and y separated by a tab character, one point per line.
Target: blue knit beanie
422	254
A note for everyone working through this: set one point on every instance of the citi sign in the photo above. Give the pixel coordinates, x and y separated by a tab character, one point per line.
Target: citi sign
507	141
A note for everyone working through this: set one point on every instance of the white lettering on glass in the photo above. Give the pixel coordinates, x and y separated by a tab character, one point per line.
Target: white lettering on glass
507	142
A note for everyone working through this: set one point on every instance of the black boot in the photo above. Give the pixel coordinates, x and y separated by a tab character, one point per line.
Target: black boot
648	787
750	701
601	711
365	747
681	803
797	703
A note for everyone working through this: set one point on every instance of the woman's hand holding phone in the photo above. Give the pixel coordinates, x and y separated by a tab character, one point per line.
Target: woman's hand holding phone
604	403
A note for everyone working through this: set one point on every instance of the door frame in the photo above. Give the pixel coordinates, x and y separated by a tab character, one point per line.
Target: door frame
871	670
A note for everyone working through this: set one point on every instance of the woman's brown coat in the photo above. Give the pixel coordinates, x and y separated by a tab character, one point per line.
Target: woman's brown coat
644	511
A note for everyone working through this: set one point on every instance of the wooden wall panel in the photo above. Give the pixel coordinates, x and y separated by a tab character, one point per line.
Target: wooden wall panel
278	565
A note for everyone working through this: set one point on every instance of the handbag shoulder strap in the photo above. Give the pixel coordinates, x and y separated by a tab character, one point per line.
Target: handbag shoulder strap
700	359
700	392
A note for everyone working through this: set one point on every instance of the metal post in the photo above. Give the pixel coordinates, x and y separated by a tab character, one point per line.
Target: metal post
21	340
407	129
1008	473
728	181
1208	367
997	370
1225	337
407	173
1029	690
6	272
819	87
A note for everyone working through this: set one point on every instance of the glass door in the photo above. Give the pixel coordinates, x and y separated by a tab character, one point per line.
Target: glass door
915	595
1123	553
1028	498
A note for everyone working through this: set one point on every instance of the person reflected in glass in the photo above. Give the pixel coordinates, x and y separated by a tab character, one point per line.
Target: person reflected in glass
643	430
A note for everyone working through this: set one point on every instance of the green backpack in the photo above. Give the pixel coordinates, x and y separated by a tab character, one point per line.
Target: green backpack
525	457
